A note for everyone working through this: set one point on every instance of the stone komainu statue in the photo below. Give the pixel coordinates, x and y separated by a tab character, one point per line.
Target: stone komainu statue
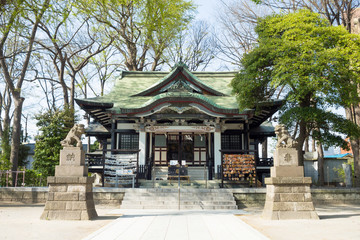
74	136
284	138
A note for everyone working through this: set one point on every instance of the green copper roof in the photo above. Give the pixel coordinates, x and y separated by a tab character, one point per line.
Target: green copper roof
145	93
132	83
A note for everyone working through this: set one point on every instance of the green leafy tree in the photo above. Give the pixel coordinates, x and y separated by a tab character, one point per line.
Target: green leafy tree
142	29
95	146
53	127
309	63
5	150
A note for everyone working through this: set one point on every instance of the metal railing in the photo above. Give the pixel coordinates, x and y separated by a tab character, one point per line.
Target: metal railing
265	162
10	173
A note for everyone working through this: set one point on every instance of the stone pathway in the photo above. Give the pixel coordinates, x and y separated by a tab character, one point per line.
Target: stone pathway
172	224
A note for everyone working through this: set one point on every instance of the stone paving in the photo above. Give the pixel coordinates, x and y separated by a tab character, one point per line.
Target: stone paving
173	224
337	222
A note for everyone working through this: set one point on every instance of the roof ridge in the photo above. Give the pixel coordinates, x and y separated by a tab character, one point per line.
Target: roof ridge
180	95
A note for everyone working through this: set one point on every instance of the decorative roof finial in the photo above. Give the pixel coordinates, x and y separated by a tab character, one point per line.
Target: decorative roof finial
180	64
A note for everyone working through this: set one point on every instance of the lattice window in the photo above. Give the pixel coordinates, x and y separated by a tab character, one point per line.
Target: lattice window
199	156
231	142
128	141
160	156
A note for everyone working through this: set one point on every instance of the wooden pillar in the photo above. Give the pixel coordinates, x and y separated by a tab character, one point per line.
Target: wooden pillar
246	135
264	148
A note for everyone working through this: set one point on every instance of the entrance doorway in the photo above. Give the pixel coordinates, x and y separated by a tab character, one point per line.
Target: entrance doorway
180	146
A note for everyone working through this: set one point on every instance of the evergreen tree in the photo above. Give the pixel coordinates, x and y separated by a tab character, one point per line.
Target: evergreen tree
53	127
312	65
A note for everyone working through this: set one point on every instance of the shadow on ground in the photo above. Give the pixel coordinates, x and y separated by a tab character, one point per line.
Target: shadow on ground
337	216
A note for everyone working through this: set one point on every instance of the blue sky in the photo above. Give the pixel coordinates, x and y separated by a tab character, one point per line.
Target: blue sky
207	10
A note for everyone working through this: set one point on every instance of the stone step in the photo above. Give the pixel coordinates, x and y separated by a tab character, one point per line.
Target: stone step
195	207
160	190
195	173
176	191
182	191
170	194
183	202
200	198
134	198
194	184
162	198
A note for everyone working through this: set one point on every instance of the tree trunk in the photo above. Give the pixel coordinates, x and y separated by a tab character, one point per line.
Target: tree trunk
301	140
72	93
356	153
353	114
63	85
306	148
6	105
320	164
16	134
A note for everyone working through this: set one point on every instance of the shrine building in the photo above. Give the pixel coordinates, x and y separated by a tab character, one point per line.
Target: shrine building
191	118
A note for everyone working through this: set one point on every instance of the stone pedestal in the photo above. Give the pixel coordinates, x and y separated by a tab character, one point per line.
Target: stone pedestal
70	191
288	194
70	198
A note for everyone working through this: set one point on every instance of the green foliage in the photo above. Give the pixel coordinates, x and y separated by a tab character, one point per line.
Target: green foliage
139	27
341	173
34	179
5	148
312	65
164	19
5	151
53	127
324	124
257	1
95	146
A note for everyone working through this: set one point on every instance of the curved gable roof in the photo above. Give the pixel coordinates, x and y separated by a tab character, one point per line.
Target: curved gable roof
180	74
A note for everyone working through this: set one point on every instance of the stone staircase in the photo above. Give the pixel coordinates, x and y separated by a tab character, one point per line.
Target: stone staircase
167	198
195	173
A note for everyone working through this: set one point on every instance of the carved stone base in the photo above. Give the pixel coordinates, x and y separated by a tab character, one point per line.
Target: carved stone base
288	198
287	171
70	198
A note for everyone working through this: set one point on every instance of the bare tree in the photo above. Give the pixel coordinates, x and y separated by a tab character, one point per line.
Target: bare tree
238	20
196	47
80	55
18	16
98	72
70	43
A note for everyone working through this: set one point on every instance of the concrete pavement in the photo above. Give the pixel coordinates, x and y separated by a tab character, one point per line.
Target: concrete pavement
172	224
337	222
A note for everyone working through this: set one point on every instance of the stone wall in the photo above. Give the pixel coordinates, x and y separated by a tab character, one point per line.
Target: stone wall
26	195
245	197
29	195
336	196
255	197
250	197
